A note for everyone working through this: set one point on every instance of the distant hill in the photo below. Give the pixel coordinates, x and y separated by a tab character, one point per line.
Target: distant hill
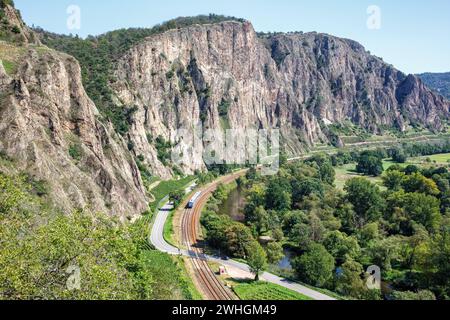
439	82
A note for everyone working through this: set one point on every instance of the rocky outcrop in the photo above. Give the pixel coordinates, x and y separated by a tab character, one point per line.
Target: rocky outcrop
50	128
13	28
201	77
299	83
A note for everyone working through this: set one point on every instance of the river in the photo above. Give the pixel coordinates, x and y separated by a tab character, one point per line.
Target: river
233	207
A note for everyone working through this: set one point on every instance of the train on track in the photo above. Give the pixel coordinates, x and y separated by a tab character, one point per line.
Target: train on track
193	200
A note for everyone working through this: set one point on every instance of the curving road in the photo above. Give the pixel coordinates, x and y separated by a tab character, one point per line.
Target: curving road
158	241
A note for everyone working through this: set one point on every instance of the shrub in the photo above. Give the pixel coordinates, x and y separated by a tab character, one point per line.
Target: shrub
76	151
15	29
223	108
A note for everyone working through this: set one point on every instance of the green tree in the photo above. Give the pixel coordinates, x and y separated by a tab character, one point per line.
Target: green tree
418	183
398	155
239	238
433	260
315	266
370	166
404	208
350	281
258	218
410	169
278	195
393	179
366	200
274	252
341	246
176	197
368	233
306	230
325	168
305	188
256	259
383	252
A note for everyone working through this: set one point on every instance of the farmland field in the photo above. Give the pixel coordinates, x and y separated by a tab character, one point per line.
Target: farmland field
348	171
440	159
266	291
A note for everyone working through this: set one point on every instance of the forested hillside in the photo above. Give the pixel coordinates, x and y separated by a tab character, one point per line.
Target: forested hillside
439	82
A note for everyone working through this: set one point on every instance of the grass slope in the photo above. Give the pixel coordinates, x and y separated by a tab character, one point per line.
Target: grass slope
166	187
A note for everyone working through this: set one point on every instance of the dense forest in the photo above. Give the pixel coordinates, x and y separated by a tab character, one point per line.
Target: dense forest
98	54
402	226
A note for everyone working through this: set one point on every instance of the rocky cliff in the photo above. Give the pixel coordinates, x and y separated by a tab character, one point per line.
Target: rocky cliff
226	76
13	28
50	128
220	76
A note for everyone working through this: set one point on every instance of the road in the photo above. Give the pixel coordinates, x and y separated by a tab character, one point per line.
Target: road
203	272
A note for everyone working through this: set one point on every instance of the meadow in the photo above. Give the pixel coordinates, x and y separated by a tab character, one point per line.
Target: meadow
348	171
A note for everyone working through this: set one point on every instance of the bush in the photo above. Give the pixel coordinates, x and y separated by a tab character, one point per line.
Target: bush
76	152
224	108
15	29
315	266
163	148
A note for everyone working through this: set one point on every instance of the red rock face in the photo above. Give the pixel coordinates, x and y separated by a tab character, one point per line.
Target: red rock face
45	113
300	83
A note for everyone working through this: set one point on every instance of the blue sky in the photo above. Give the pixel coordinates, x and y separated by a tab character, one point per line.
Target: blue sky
414	35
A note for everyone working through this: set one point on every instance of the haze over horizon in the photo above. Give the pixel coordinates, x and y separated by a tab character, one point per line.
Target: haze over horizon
412	36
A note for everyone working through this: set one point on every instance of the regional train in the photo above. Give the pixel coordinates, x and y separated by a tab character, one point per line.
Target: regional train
193	200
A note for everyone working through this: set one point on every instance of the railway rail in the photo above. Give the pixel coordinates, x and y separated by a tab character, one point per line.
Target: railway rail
212	287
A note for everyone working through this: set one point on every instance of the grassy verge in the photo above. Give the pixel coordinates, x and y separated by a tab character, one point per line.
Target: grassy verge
166	187
266	291
10	67
189	284
160	193
168	229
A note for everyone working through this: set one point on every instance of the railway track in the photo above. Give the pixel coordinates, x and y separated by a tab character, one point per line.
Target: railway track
208	281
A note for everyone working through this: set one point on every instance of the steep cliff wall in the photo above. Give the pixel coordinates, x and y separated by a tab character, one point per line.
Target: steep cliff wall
49	128
299	83
219	76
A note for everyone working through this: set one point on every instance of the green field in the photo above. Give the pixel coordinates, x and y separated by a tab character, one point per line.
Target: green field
348	171
440	159
266	291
